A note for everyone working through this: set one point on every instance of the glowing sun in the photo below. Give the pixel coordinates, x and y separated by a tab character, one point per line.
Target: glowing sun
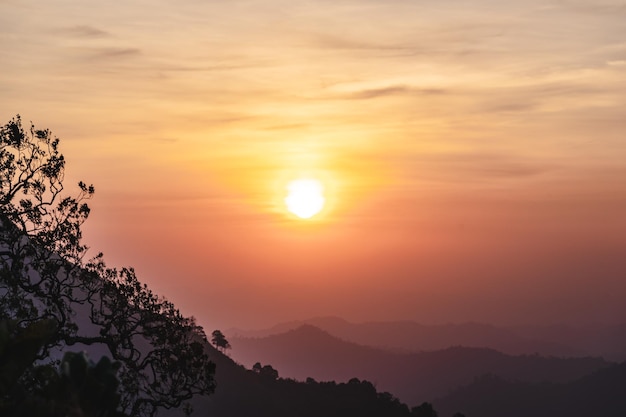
305	198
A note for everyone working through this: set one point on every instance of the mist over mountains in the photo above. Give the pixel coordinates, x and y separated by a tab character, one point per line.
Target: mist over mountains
607	341
308	351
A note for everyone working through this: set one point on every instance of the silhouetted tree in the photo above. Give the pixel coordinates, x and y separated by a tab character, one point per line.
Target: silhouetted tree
424	410
266	371
43	278
269	372
219	340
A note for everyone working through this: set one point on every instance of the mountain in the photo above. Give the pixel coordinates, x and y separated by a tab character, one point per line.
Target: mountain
608	341
600	394
566	341
414	377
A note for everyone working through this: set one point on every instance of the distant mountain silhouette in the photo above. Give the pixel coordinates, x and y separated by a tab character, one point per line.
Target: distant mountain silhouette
601	394
311	352
575	341
604	340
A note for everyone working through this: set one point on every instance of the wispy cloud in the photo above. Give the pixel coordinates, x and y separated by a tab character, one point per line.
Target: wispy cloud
392	91
117	52
83	31
105	53
477	167
331	41
602	8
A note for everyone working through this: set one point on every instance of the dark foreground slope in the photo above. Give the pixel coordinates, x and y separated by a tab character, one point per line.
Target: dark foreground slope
245	393
311	352
600	394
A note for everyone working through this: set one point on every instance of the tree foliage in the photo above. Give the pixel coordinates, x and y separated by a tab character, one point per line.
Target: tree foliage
44	277
77	387
254	393
219	340
424	410
265	371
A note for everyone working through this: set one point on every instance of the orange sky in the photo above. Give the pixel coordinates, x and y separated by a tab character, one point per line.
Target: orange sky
472	152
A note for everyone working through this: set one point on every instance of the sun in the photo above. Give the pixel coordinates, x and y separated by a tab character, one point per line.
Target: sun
305	197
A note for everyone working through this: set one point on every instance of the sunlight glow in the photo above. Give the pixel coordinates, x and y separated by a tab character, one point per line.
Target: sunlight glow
305	198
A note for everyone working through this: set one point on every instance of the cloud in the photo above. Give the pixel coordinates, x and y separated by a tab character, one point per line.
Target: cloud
388	91
393	90
111	52
211	68
327	41
505	169
520	105
456	167
83	31
602	8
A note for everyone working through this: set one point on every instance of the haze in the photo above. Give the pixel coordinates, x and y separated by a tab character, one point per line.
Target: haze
472	152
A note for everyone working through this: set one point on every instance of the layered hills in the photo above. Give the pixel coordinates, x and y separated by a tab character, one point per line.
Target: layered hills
608	341
309	352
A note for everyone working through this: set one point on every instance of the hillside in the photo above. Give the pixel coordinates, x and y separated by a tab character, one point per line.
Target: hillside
414	377
600	394
242	392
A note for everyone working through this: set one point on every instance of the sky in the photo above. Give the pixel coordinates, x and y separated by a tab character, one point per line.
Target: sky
472	153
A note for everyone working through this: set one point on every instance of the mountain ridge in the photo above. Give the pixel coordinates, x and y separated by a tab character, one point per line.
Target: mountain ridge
312	352
608	341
